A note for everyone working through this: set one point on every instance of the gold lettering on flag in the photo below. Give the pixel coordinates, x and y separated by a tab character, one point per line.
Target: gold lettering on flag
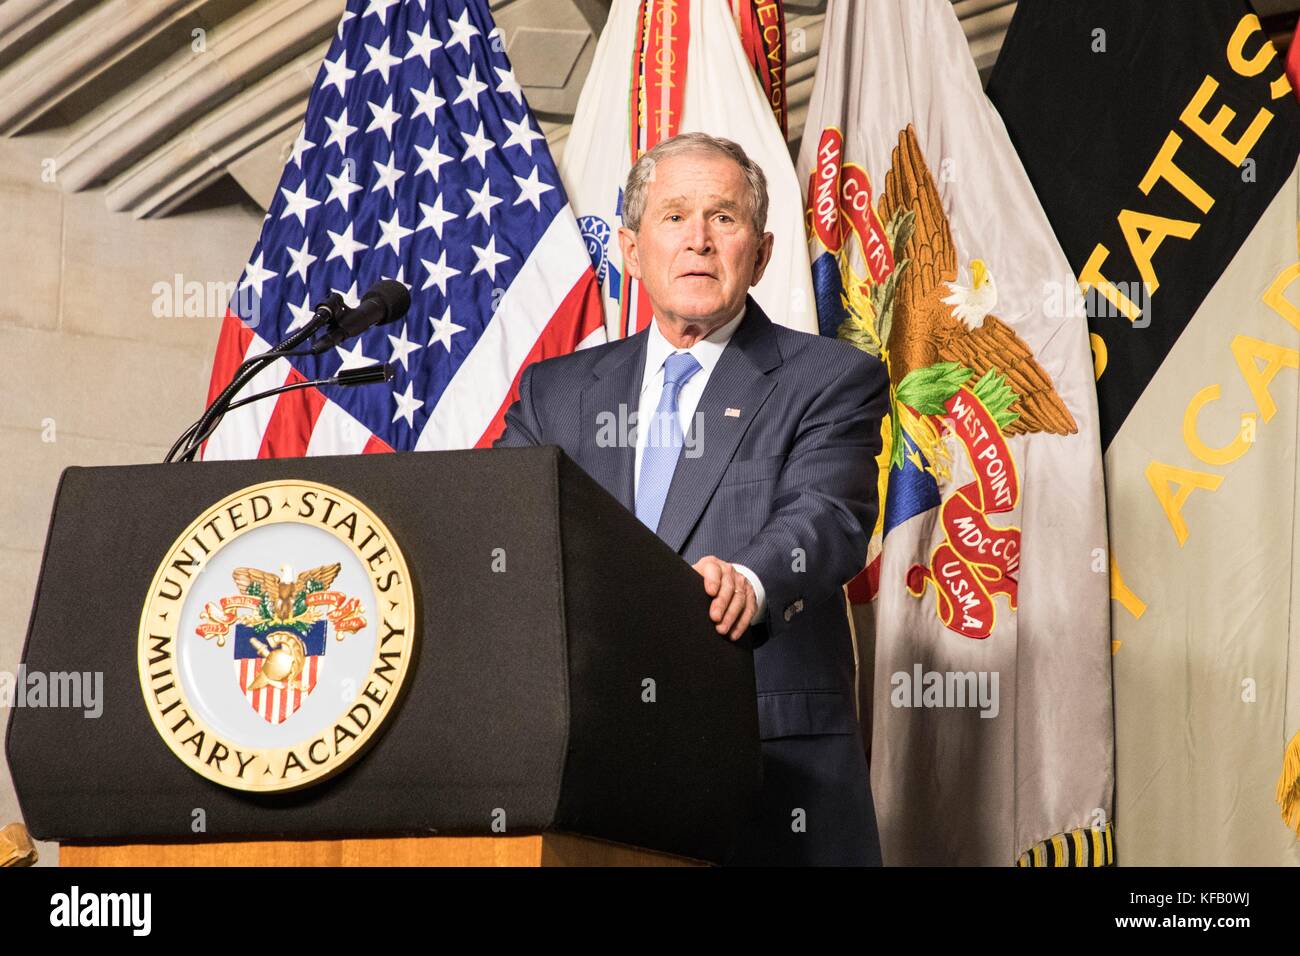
1144	233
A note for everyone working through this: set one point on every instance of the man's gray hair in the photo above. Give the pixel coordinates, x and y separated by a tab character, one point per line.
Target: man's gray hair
638	180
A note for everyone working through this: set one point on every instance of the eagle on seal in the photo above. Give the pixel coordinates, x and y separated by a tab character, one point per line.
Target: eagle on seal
280	593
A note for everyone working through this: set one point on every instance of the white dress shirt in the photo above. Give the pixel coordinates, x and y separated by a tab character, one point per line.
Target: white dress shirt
706	351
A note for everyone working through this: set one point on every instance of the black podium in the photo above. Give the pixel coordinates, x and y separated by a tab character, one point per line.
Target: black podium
578	689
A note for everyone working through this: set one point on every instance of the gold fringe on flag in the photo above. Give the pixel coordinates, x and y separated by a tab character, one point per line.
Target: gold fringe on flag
1087	846
1288	785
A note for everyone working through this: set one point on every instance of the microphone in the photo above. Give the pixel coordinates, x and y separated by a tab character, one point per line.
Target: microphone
365	376
327	313
332	308
347	378
386	301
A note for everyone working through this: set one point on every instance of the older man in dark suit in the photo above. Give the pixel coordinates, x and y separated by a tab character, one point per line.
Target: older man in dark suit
754	458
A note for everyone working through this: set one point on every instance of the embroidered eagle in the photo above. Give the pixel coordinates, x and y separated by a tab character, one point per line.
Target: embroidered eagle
924	317
284	597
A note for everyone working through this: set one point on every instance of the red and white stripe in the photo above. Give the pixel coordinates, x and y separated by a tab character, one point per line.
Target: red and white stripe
275	704
551	307
292	425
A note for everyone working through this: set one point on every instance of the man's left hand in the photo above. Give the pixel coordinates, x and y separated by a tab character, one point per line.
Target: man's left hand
734	602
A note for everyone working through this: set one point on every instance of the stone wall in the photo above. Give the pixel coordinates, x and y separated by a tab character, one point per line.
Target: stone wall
98	367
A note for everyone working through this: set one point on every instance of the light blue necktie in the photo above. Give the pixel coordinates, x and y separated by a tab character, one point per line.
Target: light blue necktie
664	440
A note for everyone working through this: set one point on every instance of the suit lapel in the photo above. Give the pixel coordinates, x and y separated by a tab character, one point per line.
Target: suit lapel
606	404
738	382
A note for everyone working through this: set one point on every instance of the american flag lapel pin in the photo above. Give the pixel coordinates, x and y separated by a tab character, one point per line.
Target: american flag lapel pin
732	413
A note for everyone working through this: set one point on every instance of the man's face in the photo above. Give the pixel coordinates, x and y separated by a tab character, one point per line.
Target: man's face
697	251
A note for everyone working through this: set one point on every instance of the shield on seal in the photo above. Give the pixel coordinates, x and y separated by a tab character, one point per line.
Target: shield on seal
278	666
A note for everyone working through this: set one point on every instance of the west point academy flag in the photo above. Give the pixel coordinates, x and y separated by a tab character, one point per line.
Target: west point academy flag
985	596
419	160
1162	138
668	66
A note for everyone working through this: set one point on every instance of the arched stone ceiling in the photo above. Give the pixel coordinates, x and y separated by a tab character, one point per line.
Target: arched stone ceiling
157	100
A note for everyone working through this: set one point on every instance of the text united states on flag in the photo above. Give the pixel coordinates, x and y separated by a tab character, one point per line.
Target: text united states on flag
419	160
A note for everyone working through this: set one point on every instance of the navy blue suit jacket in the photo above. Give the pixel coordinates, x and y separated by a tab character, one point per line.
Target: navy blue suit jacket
786	487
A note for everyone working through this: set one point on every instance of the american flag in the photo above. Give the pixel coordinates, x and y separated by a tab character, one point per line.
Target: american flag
419	160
